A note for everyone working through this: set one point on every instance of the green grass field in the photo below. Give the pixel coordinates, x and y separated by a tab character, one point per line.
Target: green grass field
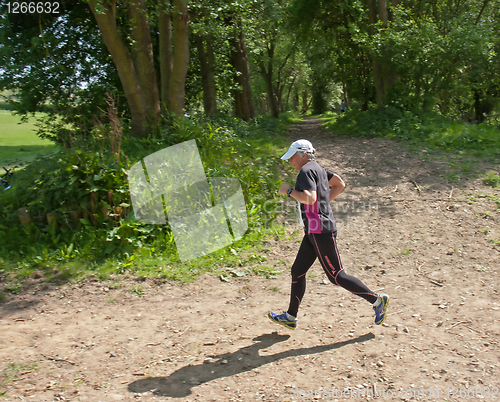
19	143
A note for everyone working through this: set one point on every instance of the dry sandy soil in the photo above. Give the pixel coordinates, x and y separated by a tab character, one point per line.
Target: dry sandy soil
403	230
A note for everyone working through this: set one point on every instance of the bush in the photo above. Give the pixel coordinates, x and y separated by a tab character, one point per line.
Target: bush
427	130
75	205
4	105
492	180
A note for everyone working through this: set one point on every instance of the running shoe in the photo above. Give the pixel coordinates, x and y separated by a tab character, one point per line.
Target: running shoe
381	308
283	319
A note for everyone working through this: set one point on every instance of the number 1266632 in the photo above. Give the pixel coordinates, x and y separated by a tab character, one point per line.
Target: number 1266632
38	7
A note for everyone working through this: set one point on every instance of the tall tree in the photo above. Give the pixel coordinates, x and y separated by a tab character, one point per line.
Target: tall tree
179	65
222	67
244	107
207	63
136	68
144	105
384	74
57	64
205	28
270	40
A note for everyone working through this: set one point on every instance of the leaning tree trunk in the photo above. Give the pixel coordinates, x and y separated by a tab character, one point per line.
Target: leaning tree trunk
134	93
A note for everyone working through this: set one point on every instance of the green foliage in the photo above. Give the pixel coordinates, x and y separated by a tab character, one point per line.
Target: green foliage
436	56
492	180
76	212
480	197
4	105
83	181
423	130
57	65
267	271
440	62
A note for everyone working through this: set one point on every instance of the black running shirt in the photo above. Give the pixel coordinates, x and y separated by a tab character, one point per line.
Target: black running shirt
317	218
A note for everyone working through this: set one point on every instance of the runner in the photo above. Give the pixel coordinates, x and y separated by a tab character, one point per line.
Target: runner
314	189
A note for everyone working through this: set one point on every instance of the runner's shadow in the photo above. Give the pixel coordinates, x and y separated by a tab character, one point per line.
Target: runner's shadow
179	383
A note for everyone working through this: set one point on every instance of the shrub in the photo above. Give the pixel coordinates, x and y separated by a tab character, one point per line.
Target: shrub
492	180
425	130
78	200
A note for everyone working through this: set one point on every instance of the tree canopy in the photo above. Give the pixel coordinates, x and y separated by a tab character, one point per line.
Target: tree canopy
251	57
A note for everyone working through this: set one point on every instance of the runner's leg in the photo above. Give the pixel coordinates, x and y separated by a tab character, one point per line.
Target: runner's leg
325	247
304	260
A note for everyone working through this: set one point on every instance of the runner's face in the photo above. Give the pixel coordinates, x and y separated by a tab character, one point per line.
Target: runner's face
297	162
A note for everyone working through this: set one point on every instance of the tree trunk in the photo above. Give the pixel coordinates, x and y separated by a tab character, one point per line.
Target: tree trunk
212	88
288	93
346	96
143	57
279	97
378	81
305	103
207	62
243	97
383	12
389	73
136	98
165	52
485	3
482	106
295	99
281	82
378	78
318	99
394	3
372	15
267	75
177	90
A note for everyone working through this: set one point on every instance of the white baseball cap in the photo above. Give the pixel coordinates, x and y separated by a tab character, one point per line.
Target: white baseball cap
299	145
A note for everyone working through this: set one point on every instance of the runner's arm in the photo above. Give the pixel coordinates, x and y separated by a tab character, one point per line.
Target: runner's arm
336	186
304	197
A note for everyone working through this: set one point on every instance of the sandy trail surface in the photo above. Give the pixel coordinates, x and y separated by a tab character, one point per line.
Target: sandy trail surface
403	230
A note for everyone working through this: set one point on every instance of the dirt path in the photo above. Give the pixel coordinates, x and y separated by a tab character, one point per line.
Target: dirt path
403	230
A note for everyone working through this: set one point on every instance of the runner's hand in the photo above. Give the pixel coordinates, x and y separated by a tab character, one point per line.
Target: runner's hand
283	188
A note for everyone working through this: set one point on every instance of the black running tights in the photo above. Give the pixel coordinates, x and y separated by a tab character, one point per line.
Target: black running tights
324	247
